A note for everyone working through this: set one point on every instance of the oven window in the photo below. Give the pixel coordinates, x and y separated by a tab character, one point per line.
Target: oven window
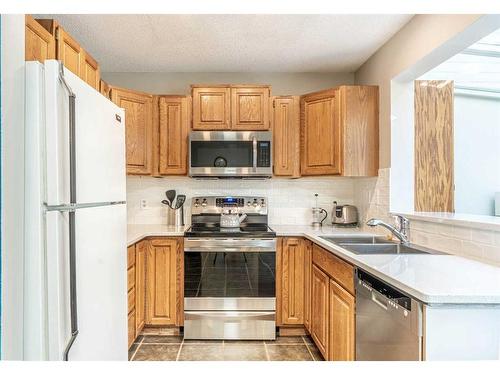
222	154
219	274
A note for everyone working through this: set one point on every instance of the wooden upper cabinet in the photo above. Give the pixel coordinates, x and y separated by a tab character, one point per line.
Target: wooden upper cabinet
320	309
69	51
163	267
173	134
291	269
90	71
104	89
320	134
358	110
285	120
40	44
211	108
339	132
341	325
138	128
250	108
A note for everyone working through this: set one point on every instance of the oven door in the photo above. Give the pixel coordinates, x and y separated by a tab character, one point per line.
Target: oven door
230	154
225	269
229	289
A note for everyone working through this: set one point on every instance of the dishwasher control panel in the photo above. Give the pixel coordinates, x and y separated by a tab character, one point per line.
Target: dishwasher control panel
395	296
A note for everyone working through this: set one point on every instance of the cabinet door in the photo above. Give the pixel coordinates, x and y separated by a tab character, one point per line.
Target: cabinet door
89	70
211	108
358	109
341	324
173	135
307	283
69	51
131	328
292	281
161	281
286	136
105	89
320	135
140	284
138	128
319	309
40	44
250	108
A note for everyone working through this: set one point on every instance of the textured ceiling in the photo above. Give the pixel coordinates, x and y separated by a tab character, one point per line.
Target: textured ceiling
231	43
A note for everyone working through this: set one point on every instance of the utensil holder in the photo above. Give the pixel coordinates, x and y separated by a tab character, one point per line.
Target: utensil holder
175	217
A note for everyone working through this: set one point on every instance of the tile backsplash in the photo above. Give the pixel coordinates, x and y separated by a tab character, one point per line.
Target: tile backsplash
372	198
289	200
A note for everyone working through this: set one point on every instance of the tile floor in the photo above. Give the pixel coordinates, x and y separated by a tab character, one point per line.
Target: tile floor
161	347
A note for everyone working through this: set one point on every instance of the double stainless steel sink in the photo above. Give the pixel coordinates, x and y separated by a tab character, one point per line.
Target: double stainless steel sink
366	245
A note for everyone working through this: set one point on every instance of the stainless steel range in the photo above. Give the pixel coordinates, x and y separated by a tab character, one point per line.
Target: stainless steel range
229	270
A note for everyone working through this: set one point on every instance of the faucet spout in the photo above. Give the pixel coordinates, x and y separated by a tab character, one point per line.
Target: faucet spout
401	233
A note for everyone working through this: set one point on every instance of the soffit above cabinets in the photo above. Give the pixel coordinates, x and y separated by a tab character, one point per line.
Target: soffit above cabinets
231	43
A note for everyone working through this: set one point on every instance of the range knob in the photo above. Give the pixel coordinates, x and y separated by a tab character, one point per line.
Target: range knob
204	203
196	203
262	202
255	204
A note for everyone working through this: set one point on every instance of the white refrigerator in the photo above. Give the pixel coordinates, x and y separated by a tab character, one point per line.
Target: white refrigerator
75	283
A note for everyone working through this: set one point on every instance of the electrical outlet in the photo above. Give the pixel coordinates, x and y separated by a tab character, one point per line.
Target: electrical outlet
144	204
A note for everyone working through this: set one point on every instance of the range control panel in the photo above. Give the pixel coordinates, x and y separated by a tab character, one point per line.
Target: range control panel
215	205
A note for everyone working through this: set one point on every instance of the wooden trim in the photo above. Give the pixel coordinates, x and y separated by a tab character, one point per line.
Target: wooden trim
434	158
229	85
155	148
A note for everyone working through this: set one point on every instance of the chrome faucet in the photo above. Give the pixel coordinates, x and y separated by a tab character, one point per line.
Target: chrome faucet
401	231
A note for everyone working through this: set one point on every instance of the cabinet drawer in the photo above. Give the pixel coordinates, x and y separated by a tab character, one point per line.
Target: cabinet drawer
131	278
131	328
131	299
130	256
342	272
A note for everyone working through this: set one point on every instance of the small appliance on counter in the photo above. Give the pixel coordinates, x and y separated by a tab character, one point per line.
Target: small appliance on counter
318	214
344	215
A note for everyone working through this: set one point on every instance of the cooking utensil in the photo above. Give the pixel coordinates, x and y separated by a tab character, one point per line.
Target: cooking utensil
170	196
166	202
181	198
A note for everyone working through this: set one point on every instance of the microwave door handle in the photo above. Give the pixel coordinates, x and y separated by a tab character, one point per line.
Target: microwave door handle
254	147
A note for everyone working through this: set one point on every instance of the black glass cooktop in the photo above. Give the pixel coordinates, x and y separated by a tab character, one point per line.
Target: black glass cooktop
252	231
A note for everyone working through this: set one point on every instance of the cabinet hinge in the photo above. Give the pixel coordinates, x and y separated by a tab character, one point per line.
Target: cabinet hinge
274	103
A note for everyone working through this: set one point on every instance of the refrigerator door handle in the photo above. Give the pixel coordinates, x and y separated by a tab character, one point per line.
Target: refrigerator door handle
76	206
72	224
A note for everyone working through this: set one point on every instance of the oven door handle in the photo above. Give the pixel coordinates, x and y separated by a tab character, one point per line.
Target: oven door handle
249	249
254	149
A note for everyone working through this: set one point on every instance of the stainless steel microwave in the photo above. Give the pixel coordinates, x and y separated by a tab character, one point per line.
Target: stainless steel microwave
226	154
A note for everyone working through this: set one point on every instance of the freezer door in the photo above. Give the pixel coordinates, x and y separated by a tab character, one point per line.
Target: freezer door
99	137
100	283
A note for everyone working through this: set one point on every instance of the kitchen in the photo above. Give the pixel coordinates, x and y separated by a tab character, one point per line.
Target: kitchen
243	216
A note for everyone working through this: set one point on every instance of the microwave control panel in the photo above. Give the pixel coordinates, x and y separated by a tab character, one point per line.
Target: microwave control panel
263	154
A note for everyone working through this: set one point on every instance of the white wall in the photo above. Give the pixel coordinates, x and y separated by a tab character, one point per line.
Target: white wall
290	201
477	153
12	147
179	83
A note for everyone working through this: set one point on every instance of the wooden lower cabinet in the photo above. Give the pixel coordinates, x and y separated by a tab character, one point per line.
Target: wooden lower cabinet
131	328
341	324
131	294
140	284
320	309
290	267
307	283
163	281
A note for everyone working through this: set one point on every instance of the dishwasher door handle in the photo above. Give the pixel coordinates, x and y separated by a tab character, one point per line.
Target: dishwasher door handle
379	300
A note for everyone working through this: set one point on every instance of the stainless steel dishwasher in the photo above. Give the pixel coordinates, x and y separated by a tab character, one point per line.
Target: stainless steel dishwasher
388	322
